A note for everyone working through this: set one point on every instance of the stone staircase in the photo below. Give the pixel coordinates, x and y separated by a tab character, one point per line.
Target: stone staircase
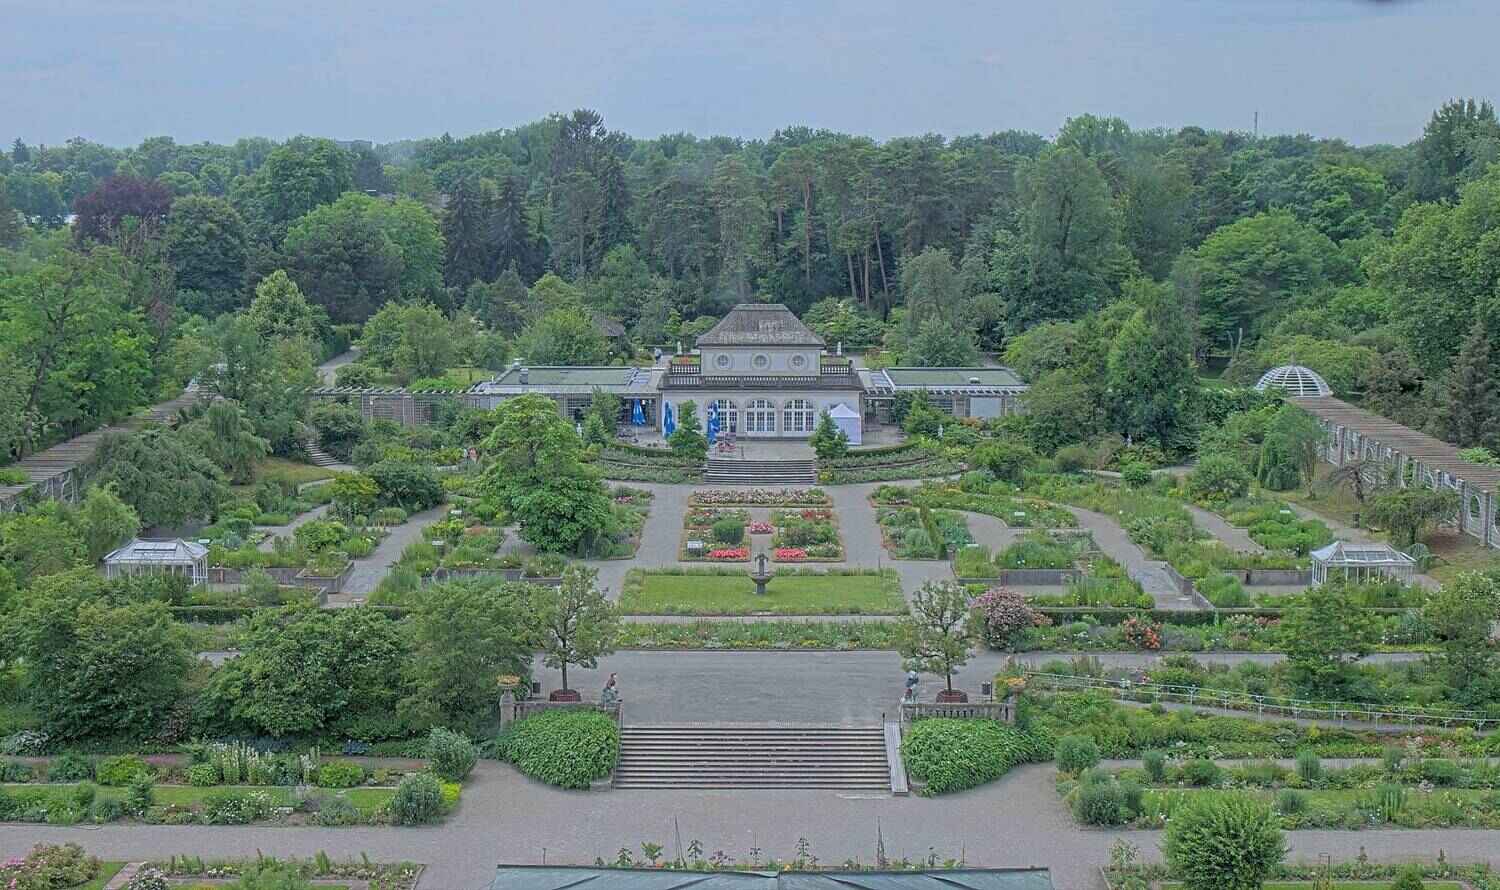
316	455
849	758
765	473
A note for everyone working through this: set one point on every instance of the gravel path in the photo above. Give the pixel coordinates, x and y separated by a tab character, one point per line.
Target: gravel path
1219	527
504	817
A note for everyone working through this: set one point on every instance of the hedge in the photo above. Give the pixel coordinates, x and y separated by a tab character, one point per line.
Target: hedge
566	748
952	755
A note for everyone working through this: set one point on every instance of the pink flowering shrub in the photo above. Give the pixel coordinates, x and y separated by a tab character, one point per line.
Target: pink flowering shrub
1004	615
48	866
1141	633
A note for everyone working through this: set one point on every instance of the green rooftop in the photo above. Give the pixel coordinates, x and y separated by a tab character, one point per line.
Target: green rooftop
935	377
560	376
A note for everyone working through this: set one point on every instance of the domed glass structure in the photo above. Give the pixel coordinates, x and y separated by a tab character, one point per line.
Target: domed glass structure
1296	381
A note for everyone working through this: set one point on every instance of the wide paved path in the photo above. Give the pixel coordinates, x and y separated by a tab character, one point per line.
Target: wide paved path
504	817
806	686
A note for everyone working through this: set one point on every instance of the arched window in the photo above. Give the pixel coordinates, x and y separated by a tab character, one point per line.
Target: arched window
798	416
760	417
729	417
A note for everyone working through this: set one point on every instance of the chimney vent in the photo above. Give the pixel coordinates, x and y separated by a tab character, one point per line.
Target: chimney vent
525	374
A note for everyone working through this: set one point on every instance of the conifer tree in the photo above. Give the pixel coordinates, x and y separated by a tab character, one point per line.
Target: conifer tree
1470	410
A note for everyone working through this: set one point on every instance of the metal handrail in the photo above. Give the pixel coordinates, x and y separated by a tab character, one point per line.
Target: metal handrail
1292	707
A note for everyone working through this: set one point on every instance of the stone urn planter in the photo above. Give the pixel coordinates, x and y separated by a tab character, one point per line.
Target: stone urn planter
565	695
951	696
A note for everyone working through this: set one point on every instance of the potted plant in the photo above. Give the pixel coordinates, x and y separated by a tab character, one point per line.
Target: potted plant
575	623
937	637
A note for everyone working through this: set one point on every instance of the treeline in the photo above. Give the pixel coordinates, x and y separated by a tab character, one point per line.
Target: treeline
1366	263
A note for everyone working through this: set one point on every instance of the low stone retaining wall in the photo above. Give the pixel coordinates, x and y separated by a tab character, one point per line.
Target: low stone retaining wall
1265	577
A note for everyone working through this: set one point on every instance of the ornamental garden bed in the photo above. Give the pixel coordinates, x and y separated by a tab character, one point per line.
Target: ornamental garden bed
759	497
921	468
810	534
1012	509
921	533
944	755
222	785
708	591
714	535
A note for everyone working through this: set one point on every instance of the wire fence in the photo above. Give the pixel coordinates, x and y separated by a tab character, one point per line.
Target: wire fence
1269	704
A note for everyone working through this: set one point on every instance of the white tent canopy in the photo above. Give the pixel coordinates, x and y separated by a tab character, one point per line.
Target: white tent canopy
848	420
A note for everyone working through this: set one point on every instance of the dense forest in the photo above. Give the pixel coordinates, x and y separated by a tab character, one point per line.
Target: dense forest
1112	267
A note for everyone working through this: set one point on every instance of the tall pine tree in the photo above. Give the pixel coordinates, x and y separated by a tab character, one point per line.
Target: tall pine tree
1470	411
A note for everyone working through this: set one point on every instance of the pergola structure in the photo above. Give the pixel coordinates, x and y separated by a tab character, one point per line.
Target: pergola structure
175	557
1391	452
1362	562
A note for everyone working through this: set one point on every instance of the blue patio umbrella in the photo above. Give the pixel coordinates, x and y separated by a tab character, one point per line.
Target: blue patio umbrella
637	416
713	422
668	424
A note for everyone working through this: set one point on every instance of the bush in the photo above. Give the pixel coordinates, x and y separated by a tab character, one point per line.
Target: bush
1076	753
1309	767
1155	764
1223	842
1099	803
1202	773
49	866
203	775
334	811
1410	878
1220	478
569	749
1004	616
340	774
450	755
952	755
729	531
1290	802
1392	757
1444	773
1135	474
148	878
418	800
140	796
117	772
70	768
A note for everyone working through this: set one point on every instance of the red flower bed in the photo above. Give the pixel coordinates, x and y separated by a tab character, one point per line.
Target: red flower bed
760	528
730	553
786	554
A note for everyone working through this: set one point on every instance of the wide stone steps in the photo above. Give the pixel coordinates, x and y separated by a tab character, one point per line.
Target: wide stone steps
836	757
760	472
317	456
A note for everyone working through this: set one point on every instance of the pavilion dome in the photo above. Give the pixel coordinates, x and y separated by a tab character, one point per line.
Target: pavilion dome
1296	381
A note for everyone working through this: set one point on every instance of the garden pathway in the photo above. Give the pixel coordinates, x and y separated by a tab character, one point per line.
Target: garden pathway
369	571
1116	544
810	686
286	531
504	817
327	370
1216	525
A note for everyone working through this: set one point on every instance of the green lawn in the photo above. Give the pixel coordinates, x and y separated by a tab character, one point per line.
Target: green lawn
290	470
107	870
733	593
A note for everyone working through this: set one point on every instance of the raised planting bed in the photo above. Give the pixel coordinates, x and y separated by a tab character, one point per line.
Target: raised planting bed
759	497
1013	510
922	468
920	533
809	534
726	591
715	535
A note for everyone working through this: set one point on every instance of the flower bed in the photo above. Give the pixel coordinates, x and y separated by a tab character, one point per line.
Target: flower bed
729	554
919	533
759	497
816	635
1013	510
809	534
760	528
721	534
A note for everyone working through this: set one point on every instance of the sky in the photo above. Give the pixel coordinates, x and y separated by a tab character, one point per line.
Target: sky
117	71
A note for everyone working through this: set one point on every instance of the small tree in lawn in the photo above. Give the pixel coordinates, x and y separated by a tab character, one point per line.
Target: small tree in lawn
828	440
575	623
688	439
1407	512
1224	842
937	637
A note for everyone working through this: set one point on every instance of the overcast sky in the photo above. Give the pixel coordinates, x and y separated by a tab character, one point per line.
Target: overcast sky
116	71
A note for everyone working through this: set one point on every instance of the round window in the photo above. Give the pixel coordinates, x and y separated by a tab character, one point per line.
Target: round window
799	361
723	361
761	361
